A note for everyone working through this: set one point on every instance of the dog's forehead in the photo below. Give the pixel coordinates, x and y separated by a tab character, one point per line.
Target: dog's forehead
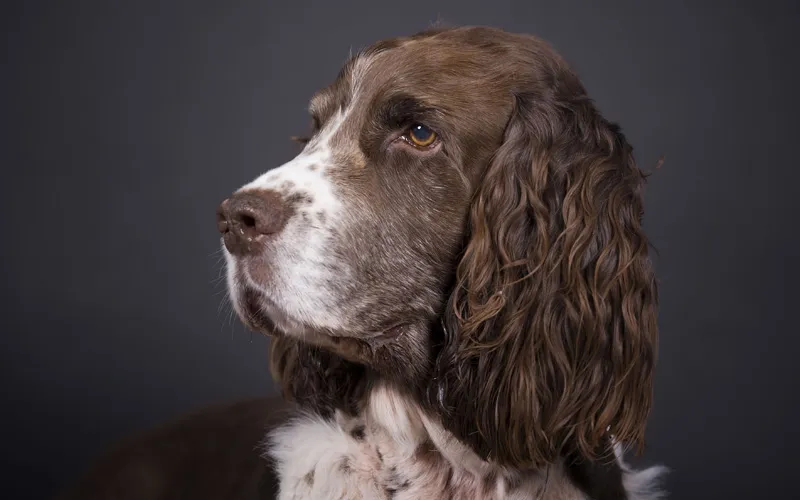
440	66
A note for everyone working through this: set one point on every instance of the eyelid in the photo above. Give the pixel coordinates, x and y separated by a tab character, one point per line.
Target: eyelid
411	143
300	139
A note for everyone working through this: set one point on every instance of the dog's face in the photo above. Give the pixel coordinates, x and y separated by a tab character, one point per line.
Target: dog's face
462	179
374	208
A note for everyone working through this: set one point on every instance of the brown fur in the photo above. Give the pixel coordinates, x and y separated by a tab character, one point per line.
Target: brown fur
550	332
497	284
212	453
554	308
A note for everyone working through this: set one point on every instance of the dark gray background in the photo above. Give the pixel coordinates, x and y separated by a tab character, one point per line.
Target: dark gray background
125	123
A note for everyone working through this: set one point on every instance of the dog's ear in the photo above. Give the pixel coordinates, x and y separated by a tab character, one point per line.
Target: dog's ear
315	378
550	332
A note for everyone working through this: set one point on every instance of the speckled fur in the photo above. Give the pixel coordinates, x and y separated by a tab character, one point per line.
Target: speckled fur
392	450
471	319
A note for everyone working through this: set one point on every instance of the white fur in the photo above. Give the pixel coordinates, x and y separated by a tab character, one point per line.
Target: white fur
300	284
299	255
230	279
301	281
395	429
642	484
308	455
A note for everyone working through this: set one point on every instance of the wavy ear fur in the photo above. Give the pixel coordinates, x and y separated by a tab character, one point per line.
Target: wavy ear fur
550	332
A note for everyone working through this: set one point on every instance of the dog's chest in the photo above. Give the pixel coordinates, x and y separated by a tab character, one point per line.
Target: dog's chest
317	459
348	459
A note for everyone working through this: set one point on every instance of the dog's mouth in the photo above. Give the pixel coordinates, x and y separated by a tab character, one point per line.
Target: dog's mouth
252	312
260	314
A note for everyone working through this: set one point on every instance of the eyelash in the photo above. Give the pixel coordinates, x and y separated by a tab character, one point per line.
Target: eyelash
300	139
315	126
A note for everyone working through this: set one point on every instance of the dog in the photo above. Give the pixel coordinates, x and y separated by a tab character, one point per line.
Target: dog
455	279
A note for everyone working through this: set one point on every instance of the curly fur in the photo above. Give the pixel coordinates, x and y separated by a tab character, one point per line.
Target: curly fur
556	251
499	283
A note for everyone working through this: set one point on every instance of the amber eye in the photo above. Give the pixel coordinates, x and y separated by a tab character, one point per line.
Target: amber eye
421	136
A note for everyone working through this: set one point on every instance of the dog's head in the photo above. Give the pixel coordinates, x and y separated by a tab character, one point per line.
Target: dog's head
462	221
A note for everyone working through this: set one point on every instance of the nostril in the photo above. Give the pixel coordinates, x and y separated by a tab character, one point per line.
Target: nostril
247	221
248	217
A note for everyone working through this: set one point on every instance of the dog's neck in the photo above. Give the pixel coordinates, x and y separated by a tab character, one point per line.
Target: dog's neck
394	449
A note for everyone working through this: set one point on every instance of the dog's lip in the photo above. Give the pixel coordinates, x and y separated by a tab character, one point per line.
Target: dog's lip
264	315
254	315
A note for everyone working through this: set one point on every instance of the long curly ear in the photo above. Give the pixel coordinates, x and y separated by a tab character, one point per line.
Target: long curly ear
550	332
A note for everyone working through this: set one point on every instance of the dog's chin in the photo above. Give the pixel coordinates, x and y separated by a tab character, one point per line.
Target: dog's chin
260	314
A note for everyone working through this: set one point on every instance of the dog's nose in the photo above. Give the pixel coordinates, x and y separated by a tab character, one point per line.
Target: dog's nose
247	217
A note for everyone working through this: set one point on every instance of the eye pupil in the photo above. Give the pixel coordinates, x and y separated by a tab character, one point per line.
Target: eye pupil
421	135
422	132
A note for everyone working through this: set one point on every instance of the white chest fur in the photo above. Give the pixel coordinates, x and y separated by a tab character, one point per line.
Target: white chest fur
392	451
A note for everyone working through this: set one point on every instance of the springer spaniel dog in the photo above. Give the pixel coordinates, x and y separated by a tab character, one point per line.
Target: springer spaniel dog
455	278
456	281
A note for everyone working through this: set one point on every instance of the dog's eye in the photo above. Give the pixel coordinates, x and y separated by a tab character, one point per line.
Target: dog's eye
421	136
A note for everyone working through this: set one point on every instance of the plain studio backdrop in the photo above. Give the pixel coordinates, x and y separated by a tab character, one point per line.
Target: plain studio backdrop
125	123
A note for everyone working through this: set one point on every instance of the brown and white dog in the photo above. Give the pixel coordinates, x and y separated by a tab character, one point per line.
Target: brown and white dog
456	281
